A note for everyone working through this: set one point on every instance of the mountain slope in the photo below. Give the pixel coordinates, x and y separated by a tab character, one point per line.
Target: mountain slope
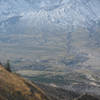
13	87
56	93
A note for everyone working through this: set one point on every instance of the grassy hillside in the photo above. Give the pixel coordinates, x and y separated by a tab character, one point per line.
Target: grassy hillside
14	87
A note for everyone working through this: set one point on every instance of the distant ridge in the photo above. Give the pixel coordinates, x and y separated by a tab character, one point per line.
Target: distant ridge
61	94
87	97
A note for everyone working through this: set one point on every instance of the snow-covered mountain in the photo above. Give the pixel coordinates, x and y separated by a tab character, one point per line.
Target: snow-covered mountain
35	13
50	16
78	20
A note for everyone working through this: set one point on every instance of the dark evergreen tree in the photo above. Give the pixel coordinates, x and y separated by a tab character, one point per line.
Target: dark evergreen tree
0	63
8	66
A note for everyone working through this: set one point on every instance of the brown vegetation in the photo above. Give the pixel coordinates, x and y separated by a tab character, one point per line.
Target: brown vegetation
14	87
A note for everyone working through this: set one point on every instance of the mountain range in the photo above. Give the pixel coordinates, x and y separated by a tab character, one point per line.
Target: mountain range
56	41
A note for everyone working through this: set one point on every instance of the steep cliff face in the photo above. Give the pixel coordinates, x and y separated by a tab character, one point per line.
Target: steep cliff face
13	87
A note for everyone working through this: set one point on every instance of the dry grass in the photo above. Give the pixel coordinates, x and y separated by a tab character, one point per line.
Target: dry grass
15	86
